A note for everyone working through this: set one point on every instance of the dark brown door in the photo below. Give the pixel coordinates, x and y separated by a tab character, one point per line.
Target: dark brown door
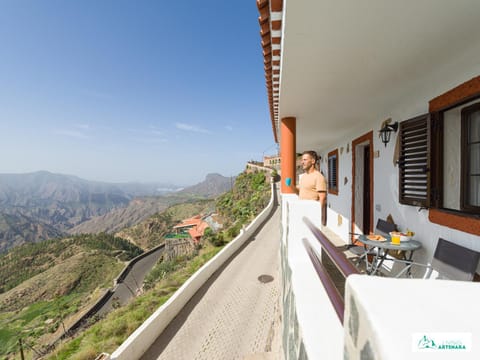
366	190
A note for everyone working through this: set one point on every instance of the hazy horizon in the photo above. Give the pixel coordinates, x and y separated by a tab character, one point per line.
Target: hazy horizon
159	183
116	91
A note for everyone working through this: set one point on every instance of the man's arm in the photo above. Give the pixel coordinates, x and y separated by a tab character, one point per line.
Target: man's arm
322	197
296	188
321	189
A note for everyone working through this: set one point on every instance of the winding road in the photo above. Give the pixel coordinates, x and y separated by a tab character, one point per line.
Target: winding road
130	286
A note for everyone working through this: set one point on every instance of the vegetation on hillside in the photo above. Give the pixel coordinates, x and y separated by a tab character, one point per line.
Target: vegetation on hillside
108	333
248	197
238	207
23	262
45	285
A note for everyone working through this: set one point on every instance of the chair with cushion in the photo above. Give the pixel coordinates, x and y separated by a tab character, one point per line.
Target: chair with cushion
451	261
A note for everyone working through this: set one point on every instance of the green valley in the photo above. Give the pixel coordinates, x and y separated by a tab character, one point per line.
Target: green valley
47	286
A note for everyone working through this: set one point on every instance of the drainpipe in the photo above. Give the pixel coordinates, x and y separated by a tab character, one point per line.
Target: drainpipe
287	154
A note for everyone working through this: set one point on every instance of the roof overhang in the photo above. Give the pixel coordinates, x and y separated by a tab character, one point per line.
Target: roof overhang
344	64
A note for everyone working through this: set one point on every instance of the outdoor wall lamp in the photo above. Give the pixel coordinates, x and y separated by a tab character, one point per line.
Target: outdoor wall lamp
386	131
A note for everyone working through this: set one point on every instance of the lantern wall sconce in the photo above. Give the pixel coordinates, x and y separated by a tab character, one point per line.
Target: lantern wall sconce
386	131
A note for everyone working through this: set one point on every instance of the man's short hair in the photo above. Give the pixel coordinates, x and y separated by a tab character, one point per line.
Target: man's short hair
312	153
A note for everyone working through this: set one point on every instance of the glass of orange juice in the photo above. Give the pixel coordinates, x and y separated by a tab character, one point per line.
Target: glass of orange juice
395	238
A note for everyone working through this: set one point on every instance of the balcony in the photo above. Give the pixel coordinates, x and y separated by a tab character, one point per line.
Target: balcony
372	317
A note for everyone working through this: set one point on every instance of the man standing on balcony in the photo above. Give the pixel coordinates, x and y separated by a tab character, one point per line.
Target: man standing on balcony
312	184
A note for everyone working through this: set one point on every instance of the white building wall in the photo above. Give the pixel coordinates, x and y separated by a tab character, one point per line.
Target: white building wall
386	192
386	195
338	206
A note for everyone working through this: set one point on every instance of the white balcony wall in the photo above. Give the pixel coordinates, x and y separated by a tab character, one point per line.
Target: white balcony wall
397	319
312	329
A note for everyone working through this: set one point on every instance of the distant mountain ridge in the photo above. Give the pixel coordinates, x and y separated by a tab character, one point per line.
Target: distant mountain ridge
41	205
19	188
140	209
213	185
117	219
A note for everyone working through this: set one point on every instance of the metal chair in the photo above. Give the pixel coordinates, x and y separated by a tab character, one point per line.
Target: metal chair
450	261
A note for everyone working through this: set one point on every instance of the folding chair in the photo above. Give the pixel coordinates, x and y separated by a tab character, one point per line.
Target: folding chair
450	261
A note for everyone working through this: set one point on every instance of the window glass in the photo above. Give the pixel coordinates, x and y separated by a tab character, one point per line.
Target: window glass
472	149
474	127
452	158
474	196
474	154
461	158
333	172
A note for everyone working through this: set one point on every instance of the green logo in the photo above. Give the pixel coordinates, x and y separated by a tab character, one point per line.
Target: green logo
442	342
426	343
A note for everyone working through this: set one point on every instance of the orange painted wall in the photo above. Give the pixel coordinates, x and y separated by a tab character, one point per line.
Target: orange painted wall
287	154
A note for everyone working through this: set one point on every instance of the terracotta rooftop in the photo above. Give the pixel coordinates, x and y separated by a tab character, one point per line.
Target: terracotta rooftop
195	220
270	21
198	230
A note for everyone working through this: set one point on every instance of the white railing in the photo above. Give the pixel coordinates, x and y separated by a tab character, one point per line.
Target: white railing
312	328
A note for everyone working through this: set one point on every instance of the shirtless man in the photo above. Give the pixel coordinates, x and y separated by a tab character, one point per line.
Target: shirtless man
312	184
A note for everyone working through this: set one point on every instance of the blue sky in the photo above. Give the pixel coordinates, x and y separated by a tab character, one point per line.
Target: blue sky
132	90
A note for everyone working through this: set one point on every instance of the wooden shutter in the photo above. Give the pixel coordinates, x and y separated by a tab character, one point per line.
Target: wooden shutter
414	161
